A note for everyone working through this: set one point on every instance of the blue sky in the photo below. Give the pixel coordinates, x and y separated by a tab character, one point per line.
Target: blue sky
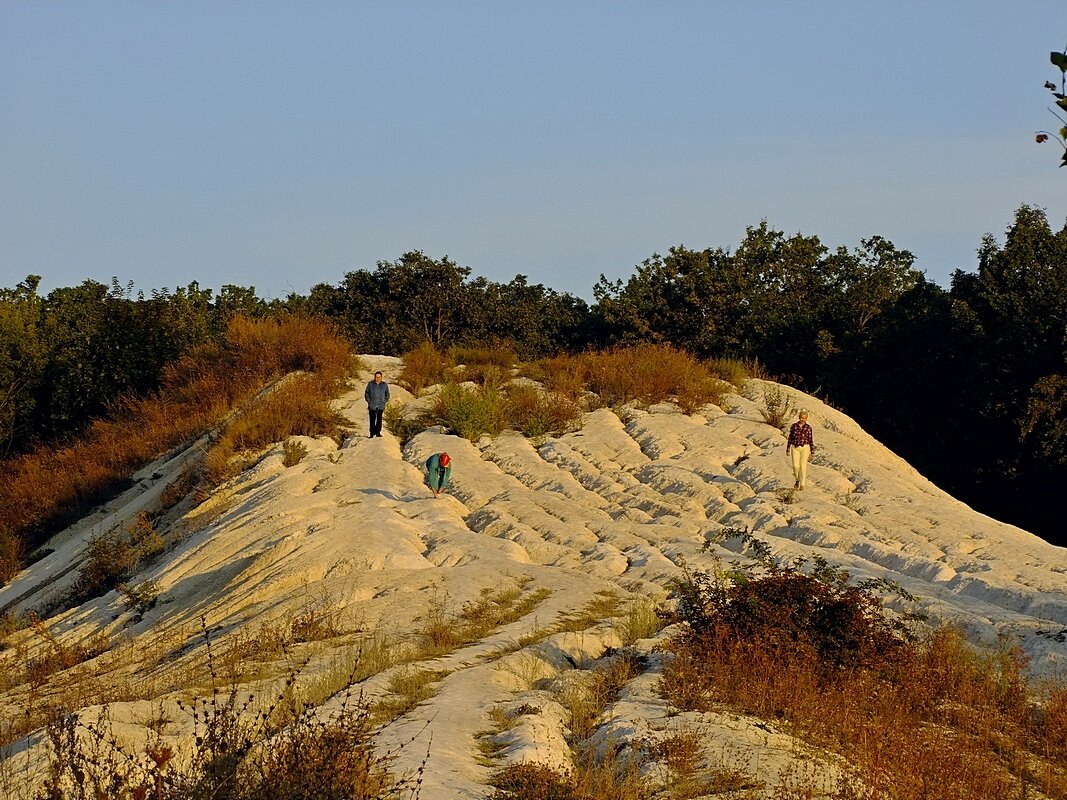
282	144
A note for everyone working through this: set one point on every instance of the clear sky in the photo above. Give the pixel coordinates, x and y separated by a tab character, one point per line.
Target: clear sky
282	144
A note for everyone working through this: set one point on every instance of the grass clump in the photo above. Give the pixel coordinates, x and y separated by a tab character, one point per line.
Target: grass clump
922	717
402	427
537	413
293	453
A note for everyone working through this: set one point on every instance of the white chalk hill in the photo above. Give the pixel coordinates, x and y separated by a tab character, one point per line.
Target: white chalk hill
352	534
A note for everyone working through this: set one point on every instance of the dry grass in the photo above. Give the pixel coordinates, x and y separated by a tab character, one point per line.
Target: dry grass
425	366
298	407
594	775
408	688
43	491
646	374
285	752
932	719
537	413
442	630
501	355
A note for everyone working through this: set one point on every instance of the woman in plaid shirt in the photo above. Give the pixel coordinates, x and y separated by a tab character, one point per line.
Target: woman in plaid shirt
802	446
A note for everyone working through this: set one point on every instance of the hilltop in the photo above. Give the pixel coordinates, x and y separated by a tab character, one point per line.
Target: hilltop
472	622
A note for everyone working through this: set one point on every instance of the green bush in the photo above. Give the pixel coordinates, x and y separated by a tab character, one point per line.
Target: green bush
470	412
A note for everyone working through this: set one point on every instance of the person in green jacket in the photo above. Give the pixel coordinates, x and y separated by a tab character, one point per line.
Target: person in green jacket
438	471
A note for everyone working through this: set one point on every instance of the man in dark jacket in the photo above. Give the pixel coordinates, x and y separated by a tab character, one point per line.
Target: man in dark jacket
376	395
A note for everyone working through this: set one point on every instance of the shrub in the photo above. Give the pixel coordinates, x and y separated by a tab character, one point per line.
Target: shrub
470	412
778	408
424	366
929	718
140	598
537	413
110	558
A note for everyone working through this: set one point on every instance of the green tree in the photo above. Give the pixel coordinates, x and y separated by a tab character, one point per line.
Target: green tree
22	360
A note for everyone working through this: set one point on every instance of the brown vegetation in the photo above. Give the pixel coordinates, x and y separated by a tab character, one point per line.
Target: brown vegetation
52	486
646	374
927	719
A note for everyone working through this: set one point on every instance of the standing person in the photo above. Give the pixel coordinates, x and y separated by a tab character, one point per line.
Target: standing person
438	471
803	445
376	395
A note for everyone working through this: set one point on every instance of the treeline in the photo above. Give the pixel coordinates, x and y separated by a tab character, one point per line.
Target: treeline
968	383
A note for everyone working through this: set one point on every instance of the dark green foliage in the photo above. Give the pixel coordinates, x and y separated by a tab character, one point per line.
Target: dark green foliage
417	299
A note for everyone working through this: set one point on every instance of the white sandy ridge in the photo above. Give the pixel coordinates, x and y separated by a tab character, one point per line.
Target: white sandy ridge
616	506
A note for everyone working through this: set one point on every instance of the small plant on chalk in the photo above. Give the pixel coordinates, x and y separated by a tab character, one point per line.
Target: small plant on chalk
777	407
293	452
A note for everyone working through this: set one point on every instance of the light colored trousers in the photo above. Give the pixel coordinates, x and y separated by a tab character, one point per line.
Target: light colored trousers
800	463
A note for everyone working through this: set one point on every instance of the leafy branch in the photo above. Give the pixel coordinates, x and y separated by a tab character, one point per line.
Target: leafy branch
1059	60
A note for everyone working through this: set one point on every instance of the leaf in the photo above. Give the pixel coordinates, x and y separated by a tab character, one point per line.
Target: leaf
1041	137
1050	85
1059	60
1062	103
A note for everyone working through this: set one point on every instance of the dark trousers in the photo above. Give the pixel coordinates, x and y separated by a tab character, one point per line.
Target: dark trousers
375	422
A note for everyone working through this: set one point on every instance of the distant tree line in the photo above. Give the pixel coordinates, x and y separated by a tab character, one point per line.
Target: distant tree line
968	383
